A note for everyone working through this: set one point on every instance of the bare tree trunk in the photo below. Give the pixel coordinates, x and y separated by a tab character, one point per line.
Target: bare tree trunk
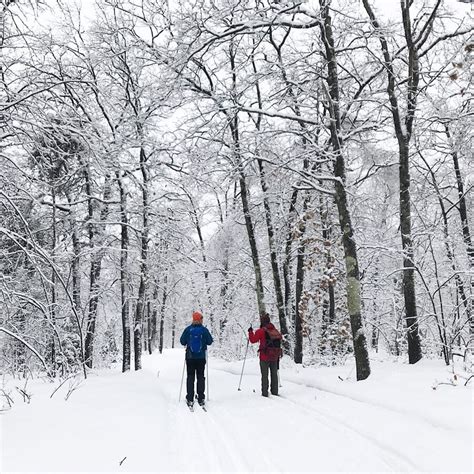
249	226
3	9
273	253
329	303
76	262
244	194
403	134
153	321
124	244
96	242
298	355
224	270
294	311
348	240
141	303
270	228
197	224
173	329
162	312
446	347
447	242
289	304
409	293
462	208
53	283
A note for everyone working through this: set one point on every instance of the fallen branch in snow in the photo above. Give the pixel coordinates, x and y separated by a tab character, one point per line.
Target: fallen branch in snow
348	375
61	384
120	463
7	396
25	394
434	387
72	387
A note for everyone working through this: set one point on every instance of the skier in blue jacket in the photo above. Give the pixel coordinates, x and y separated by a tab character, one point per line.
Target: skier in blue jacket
196	338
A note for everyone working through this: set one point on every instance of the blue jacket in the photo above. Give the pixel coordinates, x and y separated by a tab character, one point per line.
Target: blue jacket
206	341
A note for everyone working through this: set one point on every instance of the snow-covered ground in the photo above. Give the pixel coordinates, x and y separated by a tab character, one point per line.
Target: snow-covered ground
394	421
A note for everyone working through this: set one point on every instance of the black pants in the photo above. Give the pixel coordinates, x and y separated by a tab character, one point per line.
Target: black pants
195	369
265	366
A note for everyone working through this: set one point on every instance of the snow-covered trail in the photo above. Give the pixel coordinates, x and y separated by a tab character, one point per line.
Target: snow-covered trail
135	418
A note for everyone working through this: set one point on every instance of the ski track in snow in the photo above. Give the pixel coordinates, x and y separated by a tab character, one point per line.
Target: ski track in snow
307	428
219	436
335	423
394	457
396	410
391	442
200	433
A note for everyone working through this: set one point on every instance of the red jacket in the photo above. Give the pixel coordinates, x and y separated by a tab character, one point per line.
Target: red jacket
259	335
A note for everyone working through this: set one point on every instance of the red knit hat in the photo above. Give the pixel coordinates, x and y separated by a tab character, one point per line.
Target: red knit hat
197	316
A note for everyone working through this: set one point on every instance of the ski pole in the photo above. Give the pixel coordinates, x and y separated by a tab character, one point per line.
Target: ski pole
243	365
182	378
207	376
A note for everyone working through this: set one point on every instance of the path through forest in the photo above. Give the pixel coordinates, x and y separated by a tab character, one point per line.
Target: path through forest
315	425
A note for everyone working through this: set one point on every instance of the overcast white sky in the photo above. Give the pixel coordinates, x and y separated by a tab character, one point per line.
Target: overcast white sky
386	9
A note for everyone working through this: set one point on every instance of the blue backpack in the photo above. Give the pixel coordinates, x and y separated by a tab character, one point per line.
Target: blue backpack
195	339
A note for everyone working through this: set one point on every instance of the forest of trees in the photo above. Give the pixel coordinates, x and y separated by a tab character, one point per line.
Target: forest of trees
312	159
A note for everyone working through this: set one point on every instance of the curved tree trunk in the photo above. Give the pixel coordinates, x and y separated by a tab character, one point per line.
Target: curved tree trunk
270	227
244	193
348	240
249	226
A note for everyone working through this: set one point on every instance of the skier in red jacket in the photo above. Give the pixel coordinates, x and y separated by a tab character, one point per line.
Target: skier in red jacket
269	356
